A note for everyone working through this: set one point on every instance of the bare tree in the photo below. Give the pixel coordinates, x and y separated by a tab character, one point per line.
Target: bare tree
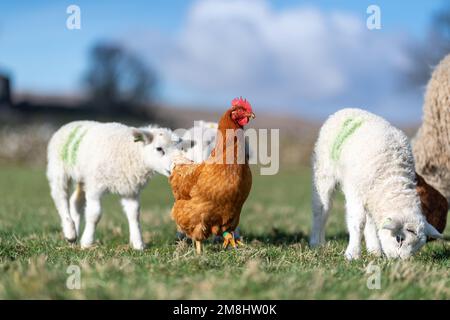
117	80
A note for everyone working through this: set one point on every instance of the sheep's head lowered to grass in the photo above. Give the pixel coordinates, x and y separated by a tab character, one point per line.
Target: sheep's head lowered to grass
158	145
403	235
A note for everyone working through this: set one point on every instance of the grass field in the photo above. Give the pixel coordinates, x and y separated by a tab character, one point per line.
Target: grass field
276	262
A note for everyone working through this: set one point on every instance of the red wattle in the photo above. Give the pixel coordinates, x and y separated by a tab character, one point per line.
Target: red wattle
243	121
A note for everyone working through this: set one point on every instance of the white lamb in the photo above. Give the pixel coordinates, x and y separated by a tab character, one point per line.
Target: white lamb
104	157
373	164
199	140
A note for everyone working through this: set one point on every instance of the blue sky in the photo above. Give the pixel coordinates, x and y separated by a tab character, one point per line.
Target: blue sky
43	56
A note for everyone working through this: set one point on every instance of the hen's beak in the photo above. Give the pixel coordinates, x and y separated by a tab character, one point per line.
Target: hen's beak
251	115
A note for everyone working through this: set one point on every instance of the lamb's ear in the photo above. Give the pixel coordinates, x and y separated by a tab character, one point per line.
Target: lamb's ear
142	136
431	232
390	224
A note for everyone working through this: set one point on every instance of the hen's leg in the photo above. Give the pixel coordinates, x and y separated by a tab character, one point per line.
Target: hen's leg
237	237
198	247
228	239
187	214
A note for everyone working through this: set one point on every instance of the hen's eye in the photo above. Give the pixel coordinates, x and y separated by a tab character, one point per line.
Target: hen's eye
412	231
159	149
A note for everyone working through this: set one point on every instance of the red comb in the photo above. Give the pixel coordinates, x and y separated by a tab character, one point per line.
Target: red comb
240	102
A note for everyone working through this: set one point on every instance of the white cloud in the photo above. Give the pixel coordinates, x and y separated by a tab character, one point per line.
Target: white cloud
301	59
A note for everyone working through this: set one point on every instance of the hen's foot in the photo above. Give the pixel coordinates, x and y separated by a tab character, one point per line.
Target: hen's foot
229	239
238	238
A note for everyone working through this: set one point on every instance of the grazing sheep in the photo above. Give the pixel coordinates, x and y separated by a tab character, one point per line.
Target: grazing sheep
373	164
431	145
104	157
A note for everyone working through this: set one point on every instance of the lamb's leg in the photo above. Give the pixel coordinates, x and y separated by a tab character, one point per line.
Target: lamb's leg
92	217
322	192
59	192
131	209
371	236
355	217
76	206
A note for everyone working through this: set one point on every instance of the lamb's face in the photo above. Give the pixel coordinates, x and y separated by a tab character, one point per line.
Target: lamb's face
402	238
159	143
402	241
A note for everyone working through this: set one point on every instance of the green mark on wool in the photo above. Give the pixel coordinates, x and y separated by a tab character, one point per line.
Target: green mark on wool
65	149
76	146
69	151
348	128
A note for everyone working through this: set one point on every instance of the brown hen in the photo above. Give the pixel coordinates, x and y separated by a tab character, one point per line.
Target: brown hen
209	196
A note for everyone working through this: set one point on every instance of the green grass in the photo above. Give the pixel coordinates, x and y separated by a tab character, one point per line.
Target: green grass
276	262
